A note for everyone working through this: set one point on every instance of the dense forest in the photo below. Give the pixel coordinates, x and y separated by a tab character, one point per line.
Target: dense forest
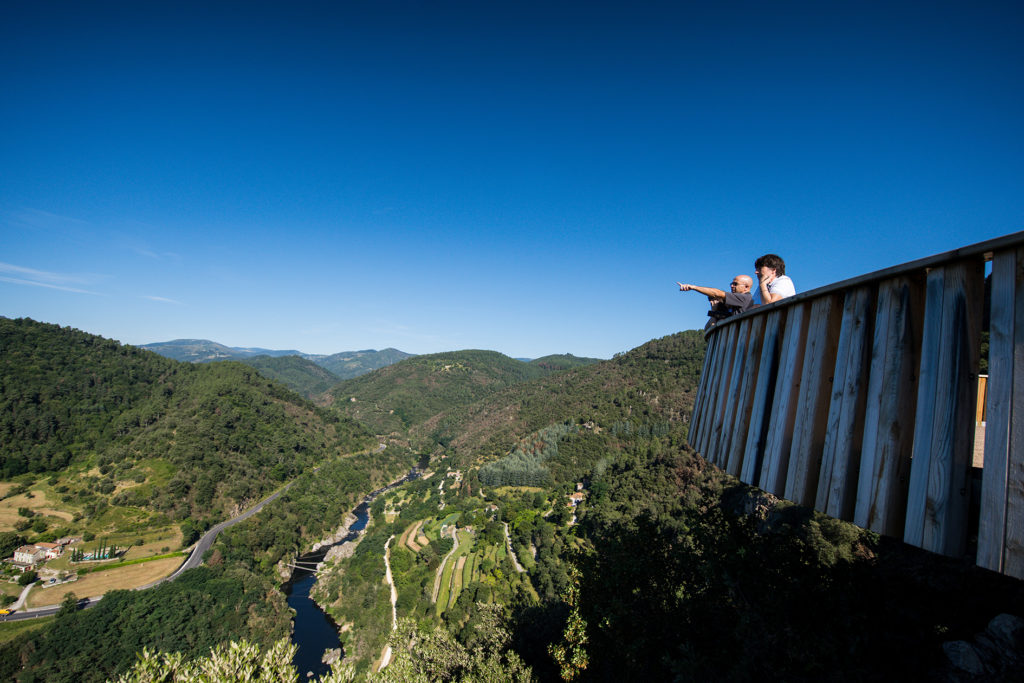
301	375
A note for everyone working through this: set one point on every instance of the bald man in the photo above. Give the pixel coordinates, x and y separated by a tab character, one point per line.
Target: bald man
725	304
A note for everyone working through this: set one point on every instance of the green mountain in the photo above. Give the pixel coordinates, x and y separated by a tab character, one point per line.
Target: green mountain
564	361
349	364
409	393
649	389
129	427
298	374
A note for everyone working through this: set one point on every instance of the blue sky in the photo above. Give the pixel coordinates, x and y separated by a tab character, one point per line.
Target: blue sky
525	177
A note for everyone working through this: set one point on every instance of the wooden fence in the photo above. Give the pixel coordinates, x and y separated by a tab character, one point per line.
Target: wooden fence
859	399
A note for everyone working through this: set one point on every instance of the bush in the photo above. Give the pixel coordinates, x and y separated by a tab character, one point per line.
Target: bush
27	577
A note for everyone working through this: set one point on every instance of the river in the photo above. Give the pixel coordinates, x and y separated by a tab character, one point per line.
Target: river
314	631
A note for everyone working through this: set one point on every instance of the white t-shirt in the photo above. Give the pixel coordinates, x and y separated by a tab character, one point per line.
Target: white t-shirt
780	285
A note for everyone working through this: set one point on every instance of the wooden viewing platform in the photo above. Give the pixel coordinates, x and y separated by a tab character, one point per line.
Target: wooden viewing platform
860	400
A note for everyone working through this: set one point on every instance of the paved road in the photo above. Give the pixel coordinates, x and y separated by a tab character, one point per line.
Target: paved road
195	559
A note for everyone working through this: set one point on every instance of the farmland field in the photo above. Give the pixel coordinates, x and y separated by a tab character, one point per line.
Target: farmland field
93	585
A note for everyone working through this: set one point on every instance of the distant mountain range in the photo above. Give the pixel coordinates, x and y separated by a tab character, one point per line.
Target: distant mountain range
343	365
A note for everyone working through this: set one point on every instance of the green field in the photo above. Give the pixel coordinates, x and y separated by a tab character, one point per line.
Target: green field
11	629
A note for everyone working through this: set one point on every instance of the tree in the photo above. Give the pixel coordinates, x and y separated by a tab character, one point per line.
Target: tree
68	606
571	653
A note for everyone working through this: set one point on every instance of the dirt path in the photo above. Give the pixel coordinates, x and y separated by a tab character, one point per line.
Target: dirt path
440	569
512	553
385	658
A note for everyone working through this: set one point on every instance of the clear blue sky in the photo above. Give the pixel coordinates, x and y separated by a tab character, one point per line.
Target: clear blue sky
519	176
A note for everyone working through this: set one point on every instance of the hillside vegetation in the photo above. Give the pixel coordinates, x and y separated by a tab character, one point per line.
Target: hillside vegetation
349	364
393	399
119	425
301	375
649	389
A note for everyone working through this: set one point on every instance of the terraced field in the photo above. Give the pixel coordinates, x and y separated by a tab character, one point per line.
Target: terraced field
451	579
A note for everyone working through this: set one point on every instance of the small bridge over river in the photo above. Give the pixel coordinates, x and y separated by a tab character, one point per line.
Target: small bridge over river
860	399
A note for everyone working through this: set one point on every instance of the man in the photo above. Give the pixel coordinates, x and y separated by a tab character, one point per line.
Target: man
724	304
773	283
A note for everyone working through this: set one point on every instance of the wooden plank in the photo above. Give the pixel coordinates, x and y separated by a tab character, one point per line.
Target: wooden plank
937	502
889	410
813	399
713	355
761	401
1006	291
928	384
708	423
840	464
784	400
722	397
745	399
699	400
1013	554
725	431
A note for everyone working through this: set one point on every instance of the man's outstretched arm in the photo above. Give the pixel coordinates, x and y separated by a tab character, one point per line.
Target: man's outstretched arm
709	292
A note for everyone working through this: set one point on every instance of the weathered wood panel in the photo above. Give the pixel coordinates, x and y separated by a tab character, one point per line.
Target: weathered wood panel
725	429
725	397
709	356
813	399
1001	524
762	399
840	463
745	397
889	410
718	390
944	423
783	414
702	425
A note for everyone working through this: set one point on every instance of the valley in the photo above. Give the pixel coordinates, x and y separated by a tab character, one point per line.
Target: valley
562	527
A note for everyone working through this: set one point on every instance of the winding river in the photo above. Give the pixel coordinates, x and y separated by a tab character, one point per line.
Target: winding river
314	631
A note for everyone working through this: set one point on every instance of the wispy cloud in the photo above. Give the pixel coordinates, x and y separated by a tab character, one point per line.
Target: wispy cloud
44	220
17	281
42	278
130	236
163	300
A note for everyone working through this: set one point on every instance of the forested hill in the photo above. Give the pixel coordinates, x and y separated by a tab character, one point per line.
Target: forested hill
298	374
349	364
406	394
648	388
563	361
174	437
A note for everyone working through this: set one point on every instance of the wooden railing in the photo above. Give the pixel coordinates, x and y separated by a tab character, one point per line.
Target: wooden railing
859	399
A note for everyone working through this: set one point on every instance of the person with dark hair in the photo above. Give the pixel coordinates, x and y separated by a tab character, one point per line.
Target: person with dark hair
724	304
773	283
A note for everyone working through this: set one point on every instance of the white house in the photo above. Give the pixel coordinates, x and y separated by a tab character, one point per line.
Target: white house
29	555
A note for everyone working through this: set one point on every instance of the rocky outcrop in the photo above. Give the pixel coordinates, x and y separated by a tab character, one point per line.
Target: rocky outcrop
339	533
995	654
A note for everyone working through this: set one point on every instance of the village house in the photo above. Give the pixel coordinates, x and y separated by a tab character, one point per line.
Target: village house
28	556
